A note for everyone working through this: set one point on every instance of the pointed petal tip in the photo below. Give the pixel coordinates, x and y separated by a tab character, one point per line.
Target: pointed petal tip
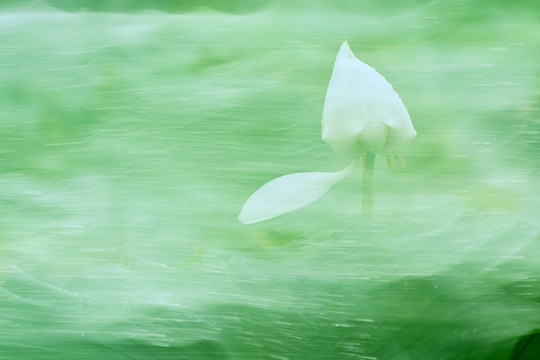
345	51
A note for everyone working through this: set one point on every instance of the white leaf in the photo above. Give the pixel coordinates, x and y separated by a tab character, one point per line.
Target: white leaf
288	193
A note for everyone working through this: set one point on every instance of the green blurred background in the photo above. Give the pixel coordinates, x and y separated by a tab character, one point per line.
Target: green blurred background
132	132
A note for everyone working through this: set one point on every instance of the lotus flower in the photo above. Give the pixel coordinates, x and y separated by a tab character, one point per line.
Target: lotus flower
362	115
362	112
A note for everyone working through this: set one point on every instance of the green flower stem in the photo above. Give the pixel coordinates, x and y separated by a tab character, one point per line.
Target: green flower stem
367	184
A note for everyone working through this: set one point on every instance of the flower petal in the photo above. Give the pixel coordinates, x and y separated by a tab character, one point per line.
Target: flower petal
288	193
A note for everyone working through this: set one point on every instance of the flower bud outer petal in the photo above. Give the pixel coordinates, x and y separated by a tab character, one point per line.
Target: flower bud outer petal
344	111
288	193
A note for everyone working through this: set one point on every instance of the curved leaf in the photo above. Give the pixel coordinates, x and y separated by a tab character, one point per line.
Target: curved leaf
288	193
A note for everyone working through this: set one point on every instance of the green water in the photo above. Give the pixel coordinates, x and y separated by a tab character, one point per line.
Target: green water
133	132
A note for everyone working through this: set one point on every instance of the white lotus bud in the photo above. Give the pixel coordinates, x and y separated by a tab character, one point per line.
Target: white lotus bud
362	112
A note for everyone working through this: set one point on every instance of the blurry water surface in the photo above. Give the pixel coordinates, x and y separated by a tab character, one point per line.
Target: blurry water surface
133	132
